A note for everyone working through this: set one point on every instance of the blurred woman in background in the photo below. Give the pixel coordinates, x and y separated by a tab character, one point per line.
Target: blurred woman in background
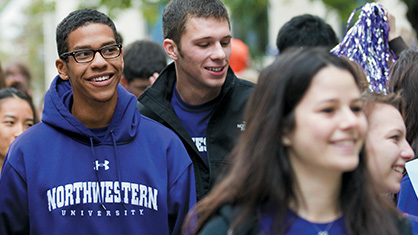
17	114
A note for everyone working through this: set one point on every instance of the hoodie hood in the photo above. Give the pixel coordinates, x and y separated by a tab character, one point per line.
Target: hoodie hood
56	112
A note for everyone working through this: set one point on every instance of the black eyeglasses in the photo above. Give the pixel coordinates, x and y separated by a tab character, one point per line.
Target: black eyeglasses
87	55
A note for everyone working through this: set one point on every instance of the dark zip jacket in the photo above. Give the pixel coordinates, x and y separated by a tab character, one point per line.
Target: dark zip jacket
223	128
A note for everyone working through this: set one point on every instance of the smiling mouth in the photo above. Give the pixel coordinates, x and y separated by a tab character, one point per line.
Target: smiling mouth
345	143
215	69
398	169
100	79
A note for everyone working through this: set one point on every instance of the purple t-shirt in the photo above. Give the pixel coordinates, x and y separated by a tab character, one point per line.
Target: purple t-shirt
195	119
298	225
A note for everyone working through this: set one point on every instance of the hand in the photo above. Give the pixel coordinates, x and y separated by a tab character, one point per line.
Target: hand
392	25
153	77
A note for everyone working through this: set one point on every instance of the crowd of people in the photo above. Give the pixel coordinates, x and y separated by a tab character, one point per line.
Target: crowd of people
130	144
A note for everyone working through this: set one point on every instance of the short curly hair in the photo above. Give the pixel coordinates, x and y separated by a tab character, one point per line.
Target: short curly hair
77	19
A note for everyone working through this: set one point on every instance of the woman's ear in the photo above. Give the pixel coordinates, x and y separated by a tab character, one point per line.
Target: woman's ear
286	141
62	69
171	49
286	138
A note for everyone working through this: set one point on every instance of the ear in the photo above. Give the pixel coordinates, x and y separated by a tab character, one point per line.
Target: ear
286	141
62	69
121	57
171	49
287	138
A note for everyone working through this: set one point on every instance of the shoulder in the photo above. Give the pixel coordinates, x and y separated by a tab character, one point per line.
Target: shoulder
242	89
159	136
220	223
245	83
237	83
404	224
36	133
155	128
414	223
144	110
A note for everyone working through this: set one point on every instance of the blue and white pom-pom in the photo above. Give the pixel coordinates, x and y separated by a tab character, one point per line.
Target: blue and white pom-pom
367	43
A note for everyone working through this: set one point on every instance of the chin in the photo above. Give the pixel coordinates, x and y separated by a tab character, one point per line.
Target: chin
349	165
394	188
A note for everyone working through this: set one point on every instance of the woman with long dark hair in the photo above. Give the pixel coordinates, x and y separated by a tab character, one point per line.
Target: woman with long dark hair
297	167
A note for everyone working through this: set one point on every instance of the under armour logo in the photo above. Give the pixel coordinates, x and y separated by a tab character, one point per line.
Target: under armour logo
105	165
241	126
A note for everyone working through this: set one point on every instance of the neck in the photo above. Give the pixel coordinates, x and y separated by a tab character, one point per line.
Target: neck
317	196
194	94
388	196
95	115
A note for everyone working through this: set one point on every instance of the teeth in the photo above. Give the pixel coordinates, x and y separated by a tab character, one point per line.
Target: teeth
346	143
215	69
398	169
100	79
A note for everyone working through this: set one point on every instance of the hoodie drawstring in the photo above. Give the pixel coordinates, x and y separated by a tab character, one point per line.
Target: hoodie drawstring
97	174
112	133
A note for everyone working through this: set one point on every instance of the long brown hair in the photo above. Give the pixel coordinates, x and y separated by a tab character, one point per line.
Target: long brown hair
403	77
261	172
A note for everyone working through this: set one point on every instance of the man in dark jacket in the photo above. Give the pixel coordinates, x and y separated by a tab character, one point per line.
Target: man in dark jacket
198	96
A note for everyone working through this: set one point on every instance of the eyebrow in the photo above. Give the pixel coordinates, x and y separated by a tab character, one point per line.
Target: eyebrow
29	120
333	100
210	37
89	48
14	117
9	116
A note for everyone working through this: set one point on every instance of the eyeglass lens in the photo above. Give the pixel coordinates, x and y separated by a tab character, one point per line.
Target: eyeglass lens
107	52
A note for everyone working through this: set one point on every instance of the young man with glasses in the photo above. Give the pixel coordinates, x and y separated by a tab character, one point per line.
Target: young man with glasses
94	165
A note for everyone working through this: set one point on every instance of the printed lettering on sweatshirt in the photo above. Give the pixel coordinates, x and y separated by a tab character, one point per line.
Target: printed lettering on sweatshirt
200	143
109	192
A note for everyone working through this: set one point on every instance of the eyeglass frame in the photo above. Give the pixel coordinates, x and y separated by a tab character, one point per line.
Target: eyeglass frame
65	55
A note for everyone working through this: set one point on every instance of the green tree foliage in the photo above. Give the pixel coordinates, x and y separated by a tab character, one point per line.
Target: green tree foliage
33	30
250	23
344	7
31	44
249	17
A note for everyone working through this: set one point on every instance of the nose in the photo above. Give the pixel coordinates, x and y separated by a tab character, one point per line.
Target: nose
218	52
98	60
407	152
18	130
349	119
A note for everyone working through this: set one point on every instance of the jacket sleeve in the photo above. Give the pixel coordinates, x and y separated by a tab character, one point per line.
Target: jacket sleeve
14	214
398	45
182	188
407	198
